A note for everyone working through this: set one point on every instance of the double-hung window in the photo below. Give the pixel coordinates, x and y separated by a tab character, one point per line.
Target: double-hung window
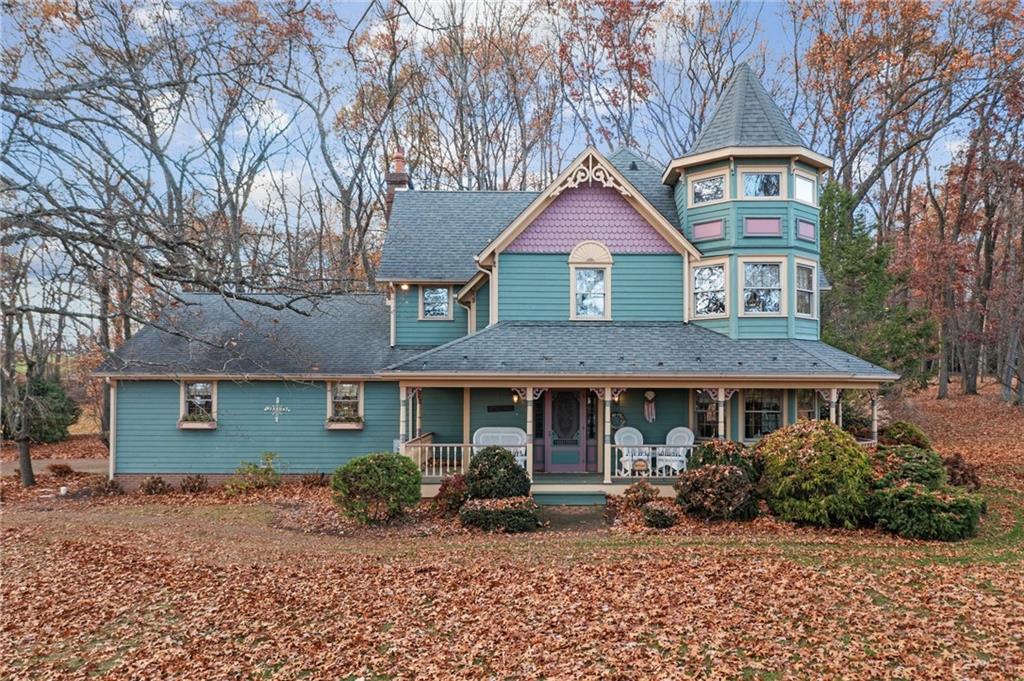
436	302
590	293
762	287
705	413
762	412
805	290
198	405
344	405
709	290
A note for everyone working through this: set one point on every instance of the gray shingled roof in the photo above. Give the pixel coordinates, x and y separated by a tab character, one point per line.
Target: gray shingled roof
211	334
746	116
632	348
434	235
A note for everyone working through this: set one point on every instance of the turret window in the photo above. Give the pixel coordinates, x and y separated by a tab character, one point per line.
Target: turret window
762	287
805	290
762	184
708	189
709	291
805	189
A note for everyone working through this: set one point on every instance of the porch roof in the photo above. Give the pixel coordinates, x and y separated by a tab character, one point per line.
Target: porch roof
662	349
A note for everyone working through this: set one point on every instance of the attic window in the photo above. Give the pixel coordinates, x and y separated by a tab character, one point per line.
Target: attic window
435	302
633	165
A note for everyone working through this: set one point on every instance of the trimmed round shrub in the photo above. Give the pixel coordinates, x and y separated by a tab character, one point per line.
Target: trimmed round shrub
638	494
962	472
815	473
194	484
154	484
716	492
916	512
377	487
660	514
906	463
510	514
728	453
494	474
904	433
451	495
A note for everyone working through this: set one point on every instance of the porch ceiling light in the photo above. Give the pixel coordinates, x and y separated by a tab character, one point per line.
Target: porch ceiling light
404	287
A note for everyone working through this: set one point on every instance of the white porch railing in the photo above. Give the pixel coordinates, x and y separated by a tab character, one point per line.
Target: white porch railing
436	460
649	461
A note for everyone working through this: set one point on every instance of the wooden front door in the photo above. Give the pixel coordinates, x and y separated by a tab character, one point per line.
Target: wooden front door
565	438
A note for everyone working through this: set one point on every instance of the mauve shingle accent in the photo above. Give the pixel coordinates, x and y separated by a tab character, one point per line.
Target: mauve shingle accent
590	212
629	348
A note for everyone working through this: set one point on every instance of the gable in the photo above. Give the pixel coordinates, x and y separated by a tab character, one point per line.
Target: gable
590	212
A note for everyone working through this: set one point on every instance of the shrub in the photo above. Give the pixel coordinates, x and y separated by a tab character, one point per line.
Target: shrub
660	514
962	472
60	470
906	463
509	514
251	476
106	488
815	473
904	433
51	411
717	492
916	512
494	474
638	494
451	495
728	453
377	487
154	484
314	480
194	484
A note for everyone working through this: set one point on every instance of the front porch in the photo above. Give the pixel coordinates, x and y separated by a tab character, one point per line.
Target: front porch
572	439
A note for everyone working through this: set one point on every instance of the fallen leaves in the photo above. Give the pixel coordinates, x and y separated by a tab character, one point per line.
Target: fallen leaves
88	446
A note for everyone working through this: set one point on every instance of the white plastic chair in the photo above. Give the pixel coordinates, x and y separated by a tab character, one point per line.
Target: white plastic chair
511	438
673	457
629	440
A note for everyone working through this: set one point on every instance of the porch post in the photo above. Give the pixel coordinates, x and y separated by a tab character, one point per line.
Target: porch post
833	406
529	431
419	412
465	430
607	436
874	416
402	421
721	413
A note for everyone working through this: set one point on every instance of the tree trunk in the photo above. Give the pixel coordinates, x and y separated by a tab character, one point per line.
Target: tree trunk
943	361
28	478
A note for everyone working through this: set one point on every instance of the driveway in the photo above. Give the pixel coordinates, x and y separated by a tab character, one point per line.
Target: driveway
39	465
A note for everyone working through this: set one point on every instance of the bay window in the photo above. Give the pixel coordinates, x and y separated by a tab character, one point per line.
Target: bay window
805	189
805	277
707	189
762	287
709	291
762	185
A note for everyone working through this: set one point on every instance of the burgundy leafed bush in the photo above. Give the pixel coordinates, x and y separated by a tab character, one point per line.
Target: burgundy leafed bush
716	492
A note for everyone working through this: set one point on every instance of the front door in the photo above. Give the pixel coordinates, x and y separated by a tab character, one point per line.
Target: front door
566	445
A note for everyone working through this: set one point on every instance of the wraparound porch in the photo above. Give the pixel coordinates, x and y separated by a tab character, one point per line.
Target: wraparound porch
571	433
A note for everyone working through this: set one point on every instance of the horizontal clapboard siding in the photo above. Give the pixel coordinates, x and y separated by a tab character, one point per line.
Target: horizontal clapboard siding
149	441
410	330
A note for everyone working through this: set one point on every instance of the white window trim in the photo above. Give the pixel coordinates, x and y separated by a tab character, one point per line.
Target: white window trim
692	289
783	172
784	414
182	411
446	318
779	260
591	255
803	262
335	425
807	176
703	175
693	419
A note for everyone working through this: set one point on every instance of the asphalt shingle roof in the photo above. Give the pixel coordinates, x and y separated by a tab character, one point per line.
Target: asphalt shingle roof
746	116
434	235
632	348
212	334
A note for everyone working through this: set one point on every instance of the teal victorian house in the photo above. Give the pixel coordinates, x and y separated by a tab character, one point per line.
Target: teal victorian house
597	328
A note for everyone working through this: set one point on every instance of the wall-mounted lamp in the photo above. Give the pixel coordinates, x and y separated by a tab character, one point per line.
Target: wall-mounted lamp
515	398
404	287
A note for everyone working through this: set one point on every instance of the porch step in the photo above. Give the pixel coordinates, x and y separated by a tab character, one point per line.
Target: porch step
569	498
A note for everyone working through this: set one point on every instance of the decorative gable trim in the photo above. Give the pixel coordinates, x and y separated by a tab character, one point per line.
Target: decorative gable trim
589	168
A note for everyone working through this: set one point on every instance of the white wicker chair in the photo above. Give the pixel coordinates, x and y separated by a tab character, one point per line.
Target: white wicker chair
672	458
512	439
631	451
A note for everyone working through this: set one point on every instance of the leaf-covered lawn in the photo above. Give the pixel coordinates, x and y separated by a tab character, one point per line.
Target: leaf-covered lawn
137	590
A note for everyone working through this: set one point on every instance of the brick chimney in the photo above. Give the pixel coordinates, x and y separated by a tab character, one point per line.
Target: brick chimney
396	180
